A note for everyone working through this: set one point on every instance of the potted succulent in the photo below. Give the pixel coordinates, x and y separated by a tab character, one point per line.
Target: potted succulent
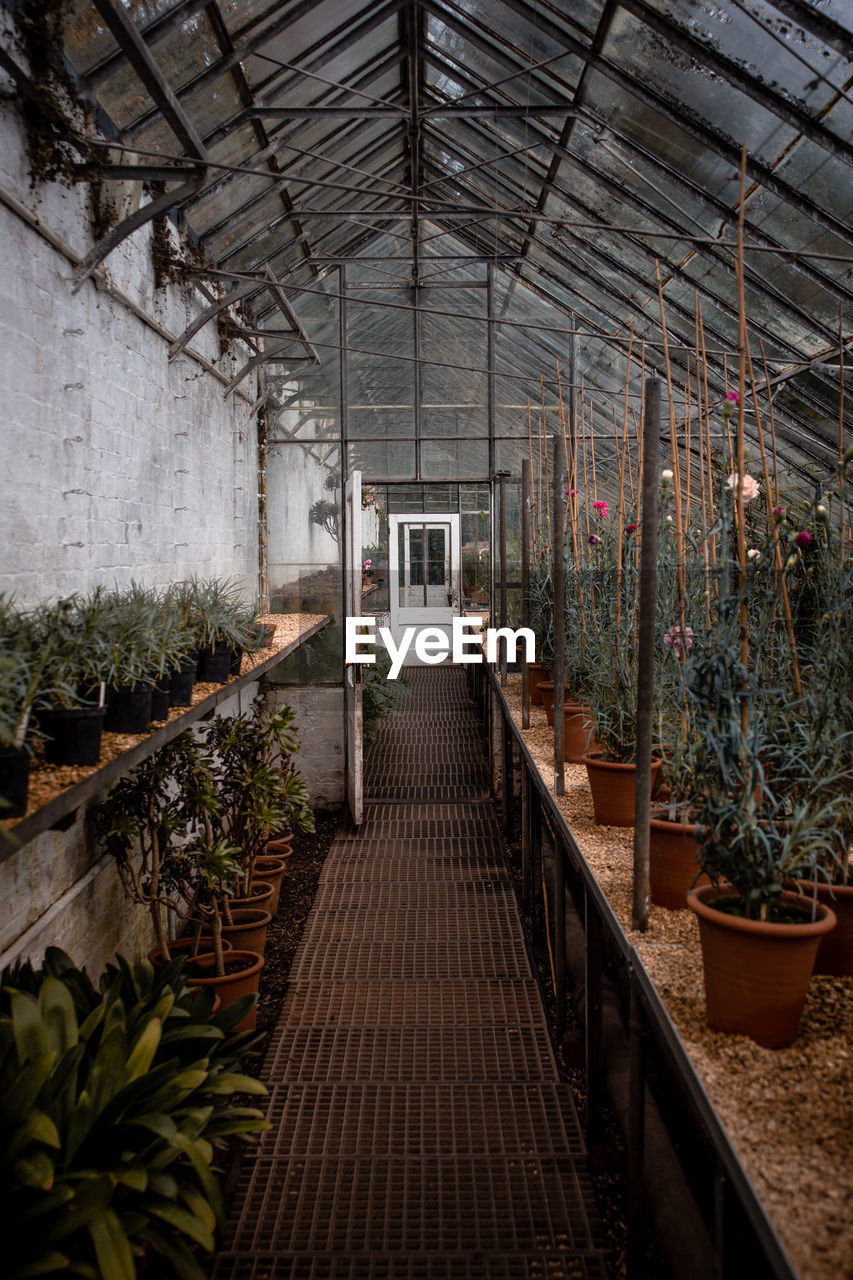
221	622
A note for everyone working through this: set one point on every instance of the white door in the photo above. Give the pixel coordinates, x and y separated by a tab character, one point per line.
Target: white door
352	671
424	573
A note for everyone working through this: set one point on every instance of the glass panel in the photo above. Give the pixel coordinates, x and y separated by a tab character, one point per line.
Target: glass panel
394	459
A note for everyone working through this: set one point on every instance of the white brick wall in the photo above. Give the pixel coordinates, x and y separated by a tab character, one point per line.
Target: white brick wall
114	463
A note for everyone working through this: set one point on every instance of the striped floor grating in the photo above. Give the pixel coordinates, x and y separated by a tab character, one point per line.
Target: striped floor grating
420	1130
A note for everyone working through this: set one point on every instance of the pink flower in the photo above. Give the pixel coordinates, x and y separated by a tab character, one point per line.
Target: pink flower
753	554
729	403
751	487
733	397
672	639
593	539
601	507
803	539
630	528
778	512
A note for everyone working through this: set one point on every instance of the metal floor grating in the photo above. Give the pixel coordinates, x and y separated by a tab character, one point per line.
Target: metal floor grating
420	1130
440	1002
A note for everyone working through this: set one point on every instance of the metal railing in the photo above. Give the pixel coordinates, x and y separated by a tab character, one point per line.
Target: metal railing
666	1110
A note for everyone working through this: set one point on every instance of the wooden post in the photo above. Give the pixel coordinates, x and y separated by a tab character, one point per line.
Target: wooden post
525	588
559	584
646	653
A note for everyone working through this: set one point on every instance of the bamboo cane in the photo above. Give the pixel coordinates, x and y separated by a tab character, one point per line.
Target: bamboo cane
676	476
741	463
532	488
842	479
544	450
712	548
700	406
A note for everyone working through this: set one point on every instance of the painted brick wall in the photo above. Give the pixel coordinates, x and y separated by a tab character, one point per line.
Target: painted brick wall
114	463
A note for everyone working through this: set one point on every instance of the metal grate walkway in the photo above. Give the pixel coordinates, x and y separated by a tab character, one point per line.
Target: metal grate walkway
420	1128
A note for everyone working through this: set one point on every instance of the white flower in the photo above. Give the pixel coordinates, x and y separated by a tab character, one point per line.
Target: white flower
754	554
669	519
666	475
751	487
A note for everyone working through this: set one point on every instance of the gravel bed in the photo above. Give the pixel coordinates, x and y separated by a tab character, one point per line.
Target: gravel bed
789	1112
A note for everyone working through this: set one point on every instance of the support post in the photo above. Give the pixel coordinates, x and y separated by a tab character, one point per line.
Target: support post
525	587
559	584
646	653
537	930
526	878
502	551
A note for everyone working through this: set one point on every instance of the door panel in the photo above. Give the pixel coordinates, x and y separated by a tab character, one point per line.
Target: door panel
424	572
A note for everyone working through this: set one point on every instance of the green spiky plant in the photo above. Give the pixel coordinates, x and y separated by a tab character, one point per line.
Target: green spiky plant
116	1102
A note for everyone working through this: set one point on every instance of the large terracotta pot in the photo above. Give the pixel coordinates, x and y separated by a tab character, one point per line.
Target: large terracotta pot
272	871
546	698
260	895
673	861
756	973
577	731
183	947
242	981
835	953
536	675
249	930
612	786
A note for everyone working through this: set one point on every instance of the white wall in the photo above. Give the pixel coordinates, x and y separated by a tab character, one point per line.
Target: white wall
114	463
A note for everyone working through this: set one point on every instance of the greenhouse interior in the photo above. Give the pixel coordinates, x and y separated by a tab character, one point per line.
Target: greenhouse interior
374	370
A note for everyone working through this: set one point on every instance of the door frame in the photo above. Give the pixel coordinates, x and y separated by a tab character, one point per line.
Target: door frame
425	616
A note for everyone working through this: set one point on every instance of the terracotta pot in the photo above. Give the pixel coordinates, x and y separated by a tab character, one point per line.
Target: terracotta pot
249	930
244	981
272	871
673	855
281	847
537	674
835	953
260	895
546	699
756	973
577	731
612	786
183	947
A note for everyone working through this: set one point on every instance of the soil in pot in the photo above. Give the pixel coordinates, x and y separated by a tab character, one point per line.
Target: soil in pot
835	953
242	975
184	947
673	861
181	681
73	734
281	847
14	781
272	871
612	786
757	972
249	930
129	709
213	663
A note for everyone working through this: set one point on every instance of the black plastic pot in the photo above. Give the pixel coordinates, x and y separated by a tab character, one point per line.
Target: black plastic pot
235	660
73	735
129	710
160	702
181	683
14	781
213	663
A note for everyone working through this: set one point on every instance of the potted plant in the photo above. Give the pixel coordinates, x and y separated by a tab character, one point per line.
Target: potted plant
222	625
116	1102
755	833
23	671
71	709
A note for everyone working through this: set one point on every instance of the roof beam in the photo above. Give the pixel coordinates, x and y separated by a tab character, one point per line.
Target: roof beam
139	55
817	24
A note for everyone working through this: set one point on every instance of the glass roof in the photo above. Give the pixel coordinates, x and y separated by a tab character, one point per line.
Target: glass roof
567	156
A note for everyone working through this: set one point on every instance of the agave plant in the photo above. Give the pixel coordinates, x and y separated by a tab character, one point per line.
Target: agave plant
113	1105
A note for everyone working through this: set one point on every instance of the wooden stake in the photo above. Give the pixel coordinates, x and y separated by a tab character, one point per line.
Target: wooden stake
740	468
676	476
